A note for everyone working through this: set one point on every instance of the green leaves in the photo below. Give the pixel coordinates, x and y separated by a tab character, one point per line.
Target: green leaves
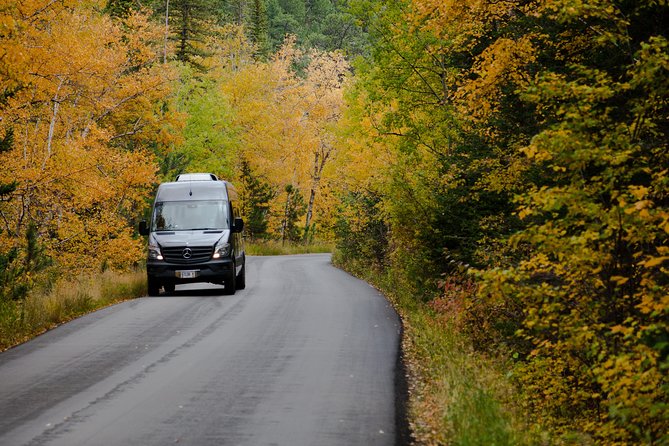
537	133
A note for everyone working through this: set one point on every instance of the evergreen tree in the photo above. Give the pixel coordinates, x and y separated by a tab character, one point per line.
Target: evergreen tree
323	24
293	210
236	11
296	8
121	8
6	143
260	27
19	265
256	195
189	22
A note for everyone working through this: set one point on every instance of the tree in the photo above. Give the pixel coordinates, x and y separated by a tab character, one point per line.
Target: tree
325	75
19	266
293	210
286	123
529	139
318	24
237	11
260	27
188	22
80	102
121	8
207	138
255	195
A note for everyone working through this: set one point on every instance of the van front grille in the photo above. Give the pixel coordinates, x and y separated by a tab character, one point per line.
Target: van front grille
187	254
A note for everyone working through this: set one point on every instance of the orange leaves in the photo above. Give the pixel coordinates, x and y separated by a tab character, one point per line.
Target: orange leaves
654	304
632	381
86	87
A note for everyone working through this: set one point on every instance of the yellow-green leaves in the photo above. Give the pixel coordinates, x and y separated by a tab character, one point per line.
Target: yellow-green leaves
536	133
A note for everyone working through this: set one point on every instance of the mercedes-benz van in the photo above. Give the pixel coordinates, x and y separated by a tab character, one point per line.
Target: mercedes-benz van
195	235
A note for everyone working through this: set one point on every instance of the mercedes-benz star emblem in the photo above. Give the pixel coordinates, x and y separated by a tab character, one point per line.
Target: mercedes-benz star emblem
187	253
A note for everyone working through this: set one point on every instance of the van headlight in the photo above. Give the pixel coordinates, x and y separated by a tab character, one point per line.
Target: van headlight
221	250
154	252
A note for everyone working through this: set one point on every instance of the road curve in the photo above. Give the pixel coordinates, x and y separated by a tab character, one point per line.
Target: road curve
305	355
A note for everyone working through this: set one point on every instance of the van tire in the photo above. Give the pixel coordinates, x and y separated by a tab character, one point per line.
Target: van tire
169	287
241	278
231	283
153	286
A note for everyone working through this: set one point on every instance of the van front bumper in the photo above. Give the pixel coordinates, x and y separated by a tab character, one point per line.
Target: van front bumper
214	271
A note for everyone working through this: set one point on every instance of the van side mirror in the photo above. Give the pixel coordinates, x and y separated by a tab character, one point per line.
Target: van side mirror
143	228
238	225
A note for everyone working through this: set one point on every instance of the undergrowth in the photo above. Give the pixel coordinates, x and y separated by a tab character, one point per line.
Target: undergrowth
275	248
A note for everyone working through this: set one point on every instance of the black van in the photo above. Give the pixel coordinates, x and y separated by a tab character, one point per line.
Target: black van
195	235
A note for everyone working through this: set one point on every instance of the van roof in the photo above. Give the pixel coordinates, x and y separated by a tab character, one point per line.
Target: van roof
195	190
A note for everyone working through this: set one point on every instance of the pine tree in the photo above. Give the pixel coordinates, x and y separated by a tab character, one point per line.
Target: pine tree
256	195
236	11
189	22
260	27
6	143
120	8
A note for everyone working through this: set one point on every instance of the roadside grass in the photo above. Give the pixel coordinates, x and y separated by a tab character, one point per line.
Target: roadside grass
45	308
457	395
276	248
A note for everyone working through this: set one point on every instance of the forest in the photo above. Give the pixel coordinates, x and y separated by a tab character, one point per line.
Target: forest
499	169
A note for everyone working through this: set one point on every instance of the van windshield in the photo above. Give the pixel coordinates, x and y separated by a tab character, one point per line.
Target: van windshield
190	215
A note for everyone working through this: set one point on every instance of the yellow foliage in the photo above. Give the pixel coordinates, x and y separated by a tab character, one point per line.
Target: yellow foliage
502	63
287	125
83	94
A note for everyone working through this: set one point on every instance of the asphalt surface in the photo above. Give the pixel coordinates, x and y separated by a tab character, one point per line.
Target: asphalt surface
306	355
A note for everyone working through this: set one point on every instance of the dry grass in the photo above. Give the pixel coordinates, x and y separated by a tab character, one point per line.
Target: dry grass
276	248
44	309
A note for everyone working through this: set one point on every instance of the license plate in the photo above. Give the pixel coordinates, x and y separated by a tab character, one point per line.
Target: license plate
192	274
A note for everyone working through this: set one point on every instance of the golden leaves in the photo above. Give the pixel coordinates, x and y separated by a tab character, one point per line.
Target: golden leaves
287	121
88	86
501	64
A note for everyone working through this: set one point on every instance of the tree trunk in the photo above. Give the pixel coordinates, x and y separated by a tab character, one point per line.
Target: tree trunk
167	29
320	158
310	207
284	225
52	126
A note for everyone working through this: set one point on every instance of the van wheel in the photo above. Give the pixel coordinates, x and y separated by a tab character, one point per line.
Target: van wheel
169	287
231	283
153	286
241	278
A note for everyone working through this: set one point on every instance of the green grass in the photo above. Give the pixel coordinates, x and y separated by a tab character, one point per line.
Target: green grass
457	396
43	309
462	398
276	248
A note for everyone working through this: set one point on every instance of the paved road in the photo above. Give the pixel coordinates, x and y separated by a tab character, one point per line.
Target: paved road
305	355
